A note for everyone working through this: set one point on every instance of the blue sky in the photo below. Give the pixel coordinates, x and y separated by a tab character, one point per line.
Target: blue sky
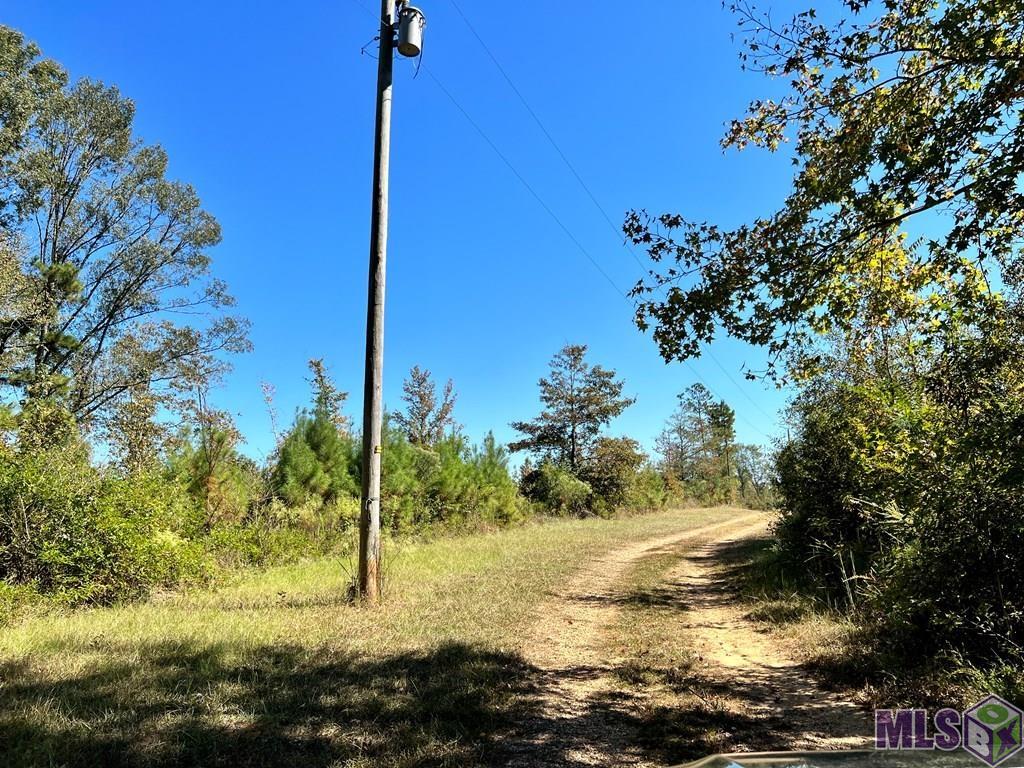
267	109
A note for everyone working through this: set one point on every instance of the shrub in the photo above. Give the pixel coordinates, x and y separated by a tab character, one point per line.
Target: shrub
905	496
87	535
13	600
647	491
611	470
557	490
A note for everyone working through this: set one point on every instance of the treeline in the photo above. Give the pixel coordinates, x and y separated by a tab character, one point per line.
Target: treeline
902	492
171	507
579	469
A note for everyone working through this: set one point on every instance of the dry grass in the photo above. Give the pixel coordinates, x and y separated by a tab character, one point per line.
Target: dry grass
277	669
682	715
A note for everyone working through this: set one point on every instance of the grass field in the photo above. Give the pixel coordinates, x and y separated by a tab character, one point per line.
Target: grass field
277	669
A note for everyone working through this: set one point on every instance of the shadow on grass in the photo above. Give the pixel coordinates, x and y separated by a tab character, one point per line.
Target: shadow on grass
763	708
119	703
179	705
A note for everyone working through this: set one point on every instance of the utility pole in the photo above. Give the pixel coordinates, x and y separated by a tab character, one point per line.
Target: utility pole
410	32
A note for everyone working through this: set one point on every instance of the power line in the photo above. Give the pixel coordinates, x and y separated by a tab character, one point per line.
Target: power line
513	169
359	3
549	137
736	384
550	212
579	179
524	182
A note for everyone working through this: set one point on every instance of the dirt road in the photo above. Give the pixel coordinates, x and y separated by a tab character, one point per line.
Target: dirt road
590	720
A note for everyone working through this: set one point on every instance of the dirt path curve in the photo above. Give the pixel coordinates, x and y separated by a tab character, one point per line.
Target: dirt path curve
579	726
585	717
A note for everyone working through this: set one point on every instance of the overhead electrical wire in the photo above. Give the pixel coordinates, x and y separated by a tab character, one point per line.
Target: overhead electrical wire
547	134
524	182
579	179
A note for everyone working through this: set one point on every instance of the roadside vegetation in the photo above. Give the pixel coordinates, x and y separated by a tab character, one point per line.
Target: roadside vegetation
168	600
887	290
119	477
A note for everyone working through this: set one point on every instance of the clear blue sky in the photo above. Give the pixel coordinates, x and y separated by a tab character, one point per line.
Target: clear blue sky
267	109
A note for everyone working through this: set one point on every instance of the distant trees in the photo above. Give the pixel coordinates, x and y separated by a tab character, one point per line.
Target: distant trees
580	469
754	470
579	400
425	419
698	437
699	450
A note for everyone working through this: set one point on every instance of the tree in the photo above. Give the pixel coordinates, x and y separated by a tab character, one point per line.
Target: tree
27	82
903	115
698	444
113	254
327	398
206	460
579	400
754	472
425	420
612	469
316	460
134	434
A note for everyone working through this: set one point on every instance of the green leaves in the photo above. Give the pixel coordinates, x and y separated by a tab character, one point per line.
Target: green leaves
899	113
114	291
579	401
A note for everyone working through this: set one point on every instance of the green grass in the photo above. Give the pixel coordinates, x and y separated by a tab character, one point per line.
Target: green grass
277	669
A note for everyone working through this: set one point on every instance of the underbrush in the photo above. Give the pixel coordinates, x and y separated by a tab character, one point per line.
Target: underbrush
849	649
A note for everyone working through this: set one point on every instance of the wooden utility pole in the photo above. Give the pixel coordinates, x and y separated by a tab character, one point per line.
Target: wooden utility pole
373	406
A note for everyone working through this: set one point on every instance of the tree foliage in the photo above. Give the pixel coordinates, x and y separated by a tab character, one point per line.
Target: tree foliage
611	470
317	459
425	420
903	115
113	254
579	400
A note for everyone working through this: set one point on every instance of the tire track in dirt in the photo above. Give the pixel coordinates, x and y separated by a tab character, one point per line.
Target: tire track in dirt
786	707
579	725
587	719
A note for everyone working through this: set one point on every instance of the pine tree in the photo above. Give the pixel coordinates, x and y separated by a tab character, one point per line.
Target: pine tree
579	401
317	459
425	420
327	398
698	444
